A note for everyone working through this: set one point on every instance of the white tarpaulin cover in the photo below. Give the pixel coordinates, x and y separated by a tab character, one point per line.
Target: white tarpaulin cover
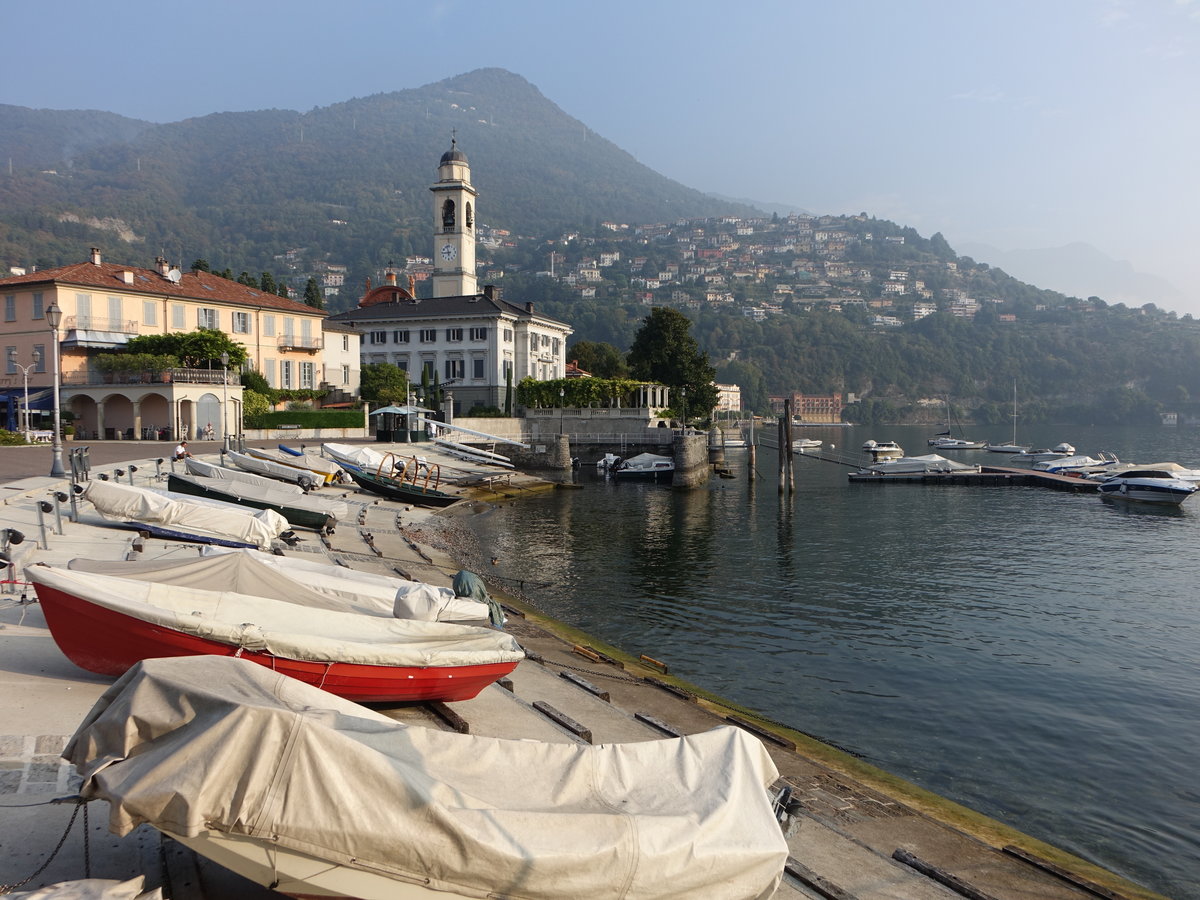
208	470
261	466
276	494
93	889
304	461
300	581
133	504
218	743
284	629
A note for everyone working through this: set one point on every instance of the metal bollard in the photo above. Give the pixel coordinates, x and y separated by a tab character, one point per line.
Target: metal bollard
43	507
59	497
132	469
158	469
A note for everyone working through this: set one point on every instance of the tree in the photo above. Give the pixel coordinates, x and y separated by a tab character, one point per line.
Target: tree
267	283
201	265
312	295
248	280
665	351
383	384
598	358
194	349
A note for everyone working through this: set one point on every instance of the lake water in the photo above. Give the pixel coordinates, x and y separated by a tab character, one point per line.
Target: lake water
1031	654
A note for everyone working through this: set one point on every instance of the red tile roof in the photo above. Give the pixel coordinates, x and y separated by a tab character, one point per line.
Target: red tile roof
192	285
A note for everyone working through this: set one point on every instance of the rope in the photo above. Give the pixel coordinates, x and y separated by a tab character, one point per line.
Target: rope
80	803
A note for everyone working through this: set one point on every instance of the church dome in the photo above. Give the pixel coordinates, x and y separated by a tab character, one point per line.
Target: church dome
454	155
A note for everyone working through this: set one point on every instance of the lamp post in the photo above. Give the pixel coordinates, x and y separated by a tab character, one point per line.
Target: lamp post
684	392
562	393
225	399
54	318
37	358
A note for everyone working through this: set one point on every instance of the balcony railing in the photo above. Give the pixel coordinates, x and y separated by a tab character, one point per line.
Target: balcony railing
291	342
159	376
100	323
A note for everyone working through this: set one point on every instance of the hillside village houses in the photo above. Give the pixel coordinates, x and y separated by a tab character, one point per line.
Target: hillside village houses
104	304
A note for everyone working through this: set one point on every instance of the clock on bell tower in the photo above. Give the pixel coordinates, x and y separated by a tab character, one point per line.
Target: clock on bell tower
454	226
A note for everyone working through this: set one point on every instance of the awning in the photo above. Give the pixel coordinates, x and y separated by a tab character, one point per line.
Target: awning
104	340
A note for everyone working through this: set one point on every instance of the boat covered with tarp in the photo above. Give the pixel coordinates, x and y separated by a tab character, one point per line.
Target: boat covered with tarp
301	581
929	464
271	469
302	510
205	469
315	796
185	518
106	623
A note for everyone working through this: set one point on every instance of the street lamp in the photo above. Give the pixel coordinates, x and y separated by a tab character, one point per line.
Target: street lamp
37	359
562	393
54	318
684	392
225	399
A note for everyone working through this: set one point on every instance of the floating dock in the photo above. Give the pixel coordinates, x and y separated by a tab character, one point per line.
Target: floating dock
987	475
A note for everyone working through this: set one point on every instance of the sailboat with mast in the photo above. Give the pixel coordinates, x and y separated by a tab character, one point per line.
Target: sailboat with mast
1014	447
945	440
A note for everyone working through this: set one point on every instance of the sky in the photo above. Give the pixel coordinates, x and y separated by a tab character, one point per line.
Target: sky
1020	124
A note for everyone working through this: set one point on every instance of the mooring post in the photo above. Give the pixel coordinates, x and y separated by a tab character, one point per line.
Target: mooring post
787	433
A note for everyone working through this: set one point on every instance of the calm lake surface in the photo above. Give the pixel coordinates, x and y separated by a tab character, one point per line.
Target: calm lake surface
1031	654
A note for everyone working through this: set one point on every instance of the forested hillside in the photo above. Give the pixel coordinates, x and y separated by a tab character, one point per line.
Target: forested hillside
347	182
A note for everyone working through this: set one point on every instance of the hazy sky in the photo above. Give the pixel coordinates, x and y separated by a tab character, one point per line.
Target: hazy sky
1018	123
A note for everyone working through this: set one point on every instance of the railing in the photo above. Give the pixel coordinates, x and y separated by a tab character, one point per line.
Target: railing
100	323
162	376
291	342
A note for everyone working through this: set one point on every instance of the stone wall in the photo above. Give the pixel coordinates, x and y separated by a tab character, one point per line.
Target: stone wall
691	460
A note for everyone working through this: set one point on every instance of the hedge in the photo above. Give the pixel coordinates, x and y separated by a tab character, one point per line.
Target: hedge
310	418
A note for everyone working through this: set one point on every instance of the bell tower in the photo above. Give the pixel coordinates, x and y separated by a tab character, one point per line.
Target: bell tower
454	226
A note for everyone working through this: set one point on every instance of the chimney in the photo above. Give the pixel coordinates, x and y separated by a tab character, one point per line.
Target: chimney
95	256
161	264
529	307
489	292
127	277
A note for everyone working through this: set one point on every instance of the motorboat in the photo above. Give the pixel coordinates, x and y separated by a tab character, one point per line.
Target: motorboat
929	464
799	445
645	467
881	450
1078	465
410	481
1175	470
185	518
607	462
1058	451
305	583
314	796
1147	485
106	623
300	510
271	469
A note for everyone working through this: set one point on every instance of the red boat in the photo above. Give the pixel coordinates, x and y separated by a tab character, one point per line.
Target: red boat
105	624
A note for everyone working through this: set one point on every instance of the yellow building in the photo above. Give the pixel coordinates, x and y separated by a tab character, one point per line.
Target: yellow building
106	304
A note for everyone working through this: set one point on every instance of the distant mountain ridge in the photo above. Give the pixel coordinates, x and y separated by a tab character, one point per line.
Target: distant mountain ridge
1079	270
350	179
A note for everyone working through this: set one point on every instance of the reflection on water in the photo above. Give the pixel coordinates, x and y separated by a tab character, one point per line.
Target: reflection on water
1028	653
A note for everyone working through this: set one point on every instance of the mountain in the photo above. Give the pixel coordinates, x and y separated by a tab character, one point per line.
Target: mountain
1079	270
349	182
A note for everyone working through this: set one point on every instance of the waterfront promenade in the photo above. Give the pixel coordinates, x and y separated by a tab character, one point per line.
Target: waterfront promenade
847	821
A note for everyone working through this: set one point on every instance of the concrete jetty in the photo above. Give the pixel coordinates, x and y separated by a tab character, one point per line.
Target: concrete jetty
853	830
